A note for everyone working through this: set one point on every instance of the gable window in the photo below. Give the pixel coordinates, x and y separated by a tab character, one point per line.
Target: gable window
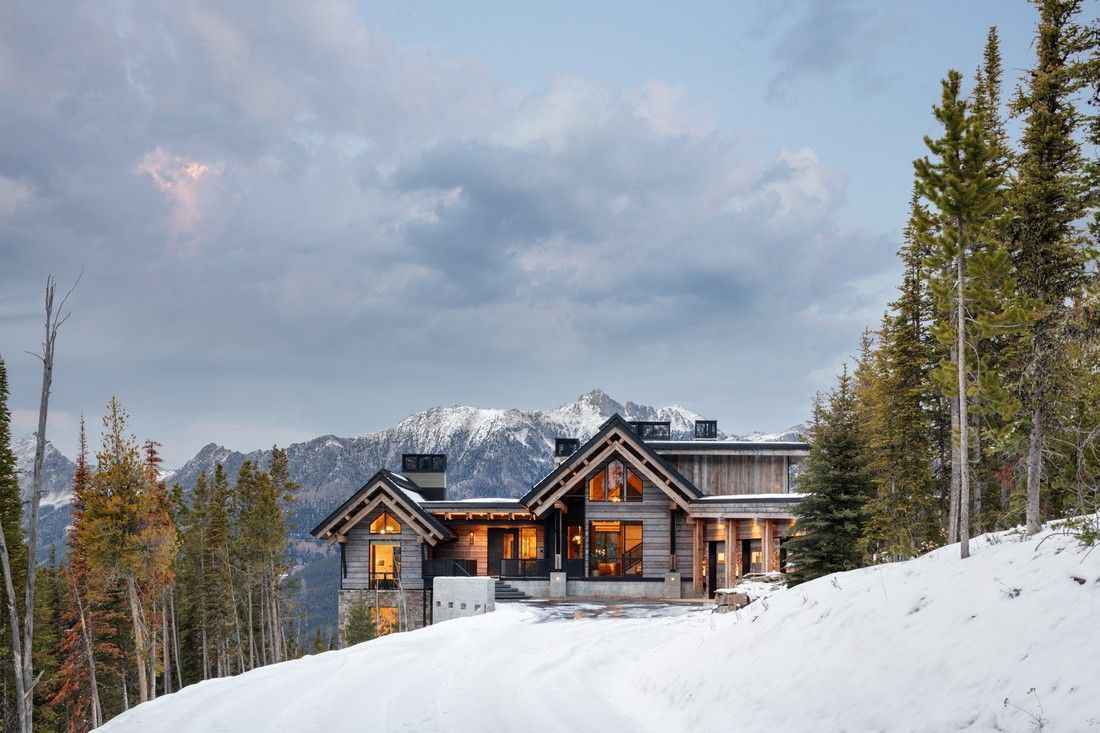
384	523
615	483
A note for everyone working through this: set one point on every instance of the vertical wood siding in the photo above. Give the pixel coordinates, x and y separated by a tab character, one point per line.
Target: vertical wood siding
719	475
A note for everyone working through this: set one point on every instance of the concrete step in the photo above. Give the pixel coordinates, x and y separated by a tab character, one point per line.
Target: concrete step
505	592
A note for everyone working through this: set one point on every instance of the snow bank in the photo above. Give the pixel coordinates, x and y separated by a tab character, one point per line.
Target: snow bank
932	644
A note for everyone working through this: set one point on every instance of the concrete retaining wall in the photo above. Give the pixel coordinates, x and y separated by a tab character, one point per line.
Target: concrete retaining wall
460	597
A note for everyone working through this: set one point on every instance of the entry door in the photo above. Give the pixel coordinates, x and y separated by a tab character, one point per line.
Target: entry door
716	567
502	546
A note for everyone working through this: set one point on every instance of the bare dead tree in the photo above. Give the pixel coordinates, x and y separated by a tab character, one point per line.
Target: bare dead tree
22	658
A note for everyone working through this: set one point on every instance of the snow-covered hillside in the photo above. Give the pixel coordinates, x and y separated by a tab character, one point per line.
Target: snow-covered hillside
1003	641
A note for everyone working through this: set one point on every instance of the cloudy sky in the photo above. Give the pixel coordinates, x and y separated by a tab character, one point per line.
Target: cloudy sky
309	218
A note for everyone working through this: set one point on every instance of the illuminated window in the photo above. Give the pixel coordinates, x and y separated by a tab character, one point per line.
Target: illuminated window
384	523
385	618
385	566
528	543
597	487
574	540
616	548
615	483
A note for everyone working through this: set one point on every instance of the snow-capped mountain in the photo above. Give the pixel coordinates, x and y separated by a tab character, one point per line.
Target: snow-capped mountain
490	452
57	480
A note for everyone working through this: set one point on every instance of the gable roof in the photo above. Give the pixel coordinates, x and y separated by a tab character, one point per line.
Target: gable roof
392	490
615	435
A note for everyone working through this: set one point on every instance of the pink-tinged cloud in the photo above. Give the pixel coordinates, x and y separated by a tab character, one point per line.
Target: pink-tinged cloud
184	182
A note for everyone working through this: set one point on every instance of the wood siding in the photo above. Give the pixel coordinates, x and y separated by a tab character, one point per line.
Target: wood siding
463	549
719	475
357	555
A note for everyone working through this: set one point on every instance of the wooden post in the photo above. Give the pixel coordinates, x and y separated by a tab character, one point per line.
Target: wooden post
737	559
697	557
731	544
771	557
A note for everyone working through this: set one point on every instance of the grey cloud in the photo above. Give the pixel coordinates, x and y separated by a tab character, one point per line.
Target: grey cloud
827	37
366	231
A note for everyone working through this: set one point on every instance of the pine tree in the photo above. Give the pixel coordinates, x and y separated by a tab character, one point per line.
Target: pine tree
1047	200
361	625
78	692
967	203
47	630
837	485
129	537
11	515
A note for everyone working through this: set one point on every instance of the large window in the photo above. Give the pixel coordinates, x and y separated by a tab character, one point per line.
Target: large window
574	542
615	483
528	543
385	565
616	549
385	619
384	523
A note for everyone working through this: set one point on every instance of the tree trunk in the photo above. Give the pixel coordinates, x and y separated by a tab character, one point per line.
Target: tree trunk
54	320
89	647
165	655
1035	461
251	635
139	638
176	644
956	473
964	420
16	641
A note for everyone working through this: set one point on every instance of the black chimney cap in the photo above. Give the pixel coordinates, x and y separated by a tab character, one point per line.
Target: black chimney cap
706	429
423	463
565	447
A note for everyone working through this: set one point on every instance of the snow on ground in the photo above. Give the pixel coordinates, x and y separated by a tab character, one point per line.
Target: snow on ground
928	645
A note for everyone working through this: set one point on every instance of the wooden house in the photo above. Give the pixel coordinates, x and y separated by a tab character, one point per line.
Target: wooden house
630	513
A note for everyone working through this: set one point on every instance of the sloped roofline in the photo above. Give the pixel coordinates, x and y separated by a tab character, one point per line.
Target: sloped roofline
616	421
400	491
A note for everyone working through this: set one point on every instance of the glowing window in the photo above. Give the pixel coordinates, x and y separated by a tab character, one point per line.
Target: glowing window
614	482
384	523
597	487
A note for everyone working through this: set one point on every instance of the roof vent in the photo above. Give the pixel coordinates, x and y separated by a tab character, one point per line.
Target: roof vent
563	448
652	429
429	472
706	430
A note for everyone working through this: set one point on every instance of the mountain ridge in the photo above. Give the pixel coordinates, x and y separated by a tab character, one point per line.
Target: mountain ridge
490	452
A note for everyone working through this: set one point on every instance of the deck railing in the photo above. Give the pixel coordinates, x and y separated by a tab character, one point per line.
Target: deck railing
538	568
449	568
382	581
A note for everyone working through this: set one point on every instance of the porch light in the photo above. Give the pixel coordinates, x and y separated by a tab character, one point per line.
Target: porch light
471	539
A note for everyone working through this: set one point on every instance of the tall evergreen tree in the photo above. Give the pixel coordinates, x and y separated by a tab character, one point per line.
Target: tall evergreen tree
1046	201
11	516
78	692
837	485
967	205
903	515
